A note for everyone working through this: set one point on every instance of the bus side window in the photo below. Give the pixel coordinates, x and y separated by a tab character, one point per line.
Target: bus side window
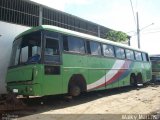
145	57
76	45
73	44
52	50
94	48
138	56
108	50
129	54
120	52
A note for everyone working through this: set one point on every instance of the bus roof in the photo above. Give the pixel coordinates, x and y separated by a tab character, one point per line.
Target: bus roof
155	58
74	33
158	55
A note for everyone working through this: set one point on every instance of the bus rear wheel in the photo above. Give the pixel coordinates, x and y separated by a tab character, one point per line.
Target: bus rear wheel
133	81
139	80
74	90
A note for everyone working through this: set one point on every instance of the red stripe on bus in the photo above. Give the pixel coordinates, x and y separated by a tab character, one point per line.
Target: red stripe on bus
119	73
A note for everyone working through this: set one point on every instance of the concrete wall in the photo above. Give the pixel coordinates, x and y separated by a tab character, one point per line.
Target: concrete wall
8	32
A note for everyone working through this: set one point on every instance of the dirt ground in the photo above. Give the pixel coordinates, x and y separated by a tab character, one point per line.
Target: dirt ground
108	104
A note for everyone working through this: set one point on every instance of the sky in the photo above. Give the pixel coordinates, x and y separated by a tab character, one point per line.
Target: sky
118	15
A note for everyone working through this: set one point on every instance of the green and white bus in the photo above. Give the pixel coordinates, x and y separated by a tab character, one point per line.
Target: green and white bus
155	60
48	60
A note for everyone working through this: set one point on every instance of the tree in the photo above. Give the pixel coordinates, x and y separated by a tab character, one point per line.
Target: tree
117	36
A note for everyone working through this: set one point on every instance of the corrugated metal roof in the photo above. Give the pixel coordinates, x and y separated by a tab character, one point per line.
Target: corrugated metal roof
29	13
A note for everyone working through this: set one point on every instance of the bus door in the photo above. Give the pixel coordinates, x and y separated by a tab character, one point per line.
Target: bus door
52	82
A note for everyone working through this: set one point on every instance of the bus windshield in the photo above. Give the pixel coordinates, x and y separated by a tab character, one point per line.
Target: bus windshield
26	49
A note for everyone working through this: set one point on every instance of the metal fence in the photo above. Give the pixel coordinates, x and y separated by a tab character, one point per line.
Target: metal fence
19	12
57	18
28	13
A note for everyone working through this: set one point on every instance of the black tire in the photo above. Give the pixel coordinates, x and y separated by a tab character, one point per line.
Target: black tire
77	85
133	81
74	90
139	79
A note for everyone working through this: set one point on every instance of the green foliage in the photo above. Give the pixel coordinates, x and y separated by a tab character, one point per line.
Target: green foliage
117	36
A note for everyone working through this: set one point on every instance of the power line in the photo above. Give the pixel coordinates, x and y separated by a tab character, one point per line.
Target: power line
148	30
133	12
151	32
146	26
154	29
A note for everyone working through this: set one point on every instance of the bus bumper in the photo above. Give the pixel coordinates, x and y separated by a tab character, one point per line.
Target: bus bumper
26	90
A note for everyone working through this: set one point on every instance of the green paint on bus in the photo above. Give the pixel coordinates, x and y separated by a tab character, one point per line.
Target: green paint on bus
49	60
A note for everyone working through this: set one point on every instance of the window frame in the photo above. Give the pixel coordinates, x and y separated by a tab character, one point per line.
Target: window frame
67	44
140	55
121	55
89	48
130	54
112	49
146	56
49	34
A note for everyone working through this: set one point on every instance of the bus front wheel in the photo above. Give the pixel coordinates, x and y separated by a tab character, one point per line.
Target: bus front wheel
77	85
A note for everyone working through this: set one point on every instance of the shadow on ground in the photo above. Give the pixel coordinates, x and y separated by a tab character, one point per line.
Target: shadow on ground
44	104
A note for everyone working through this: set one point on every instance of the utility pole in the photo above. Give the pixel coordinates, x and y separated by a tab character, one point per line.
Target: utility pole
99	31
138	31
40	14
